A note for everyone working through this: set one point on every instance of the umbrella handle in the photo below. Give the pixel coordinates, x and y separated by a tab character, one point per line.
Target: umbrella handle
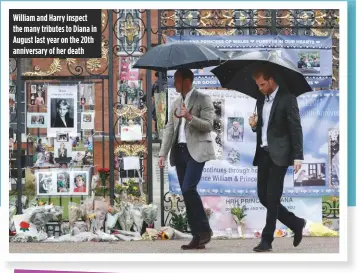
176	115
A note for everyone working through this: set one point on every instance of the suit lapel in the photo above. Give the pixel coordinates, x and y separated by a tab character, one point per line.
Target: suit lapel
177	107
178	103
192	99
275	103
260	107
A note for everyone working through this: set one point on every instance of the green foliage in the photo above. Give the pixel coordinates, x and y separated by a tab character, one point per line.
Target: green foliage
179	221
239	213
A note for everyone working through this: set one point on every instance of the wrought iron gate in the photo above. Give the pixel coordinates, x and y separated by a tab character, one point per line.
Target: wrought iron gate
249	22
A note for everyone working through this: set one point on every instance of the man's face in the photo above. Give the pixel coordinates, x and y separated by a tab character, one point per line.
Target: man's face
180	83
62	110
236	124
265	86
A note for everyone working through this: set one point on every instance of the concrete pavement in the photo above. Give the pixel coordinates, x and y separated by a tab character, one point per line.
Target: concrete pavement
280	245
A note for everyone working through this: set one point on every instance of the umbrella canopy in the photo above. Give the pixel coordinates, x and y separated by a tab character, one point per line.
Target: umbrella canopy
177	55
236	73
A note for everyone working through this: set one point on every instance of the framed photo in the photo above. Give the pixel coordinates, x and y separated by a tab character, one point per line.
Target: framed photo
78	157
63	151
334	157
309	62
33	89
12	104
87	94
79	183
62	137
63	183
36	120
235	129
37	94
62	110
87	120
45	182
311	174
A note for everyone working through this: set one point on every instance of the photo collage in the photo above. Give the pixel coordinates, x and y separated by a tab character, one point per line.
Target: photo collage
63	146
62	182
129	86
130	94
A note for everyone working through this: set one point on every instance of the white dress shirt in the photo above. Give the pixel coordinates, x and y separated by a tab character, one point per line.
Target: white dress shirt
181	135
265	117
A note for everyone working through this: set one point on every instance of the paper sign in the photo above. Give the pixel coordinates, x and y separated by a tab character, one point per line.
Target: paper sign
23	225
131	163
131	133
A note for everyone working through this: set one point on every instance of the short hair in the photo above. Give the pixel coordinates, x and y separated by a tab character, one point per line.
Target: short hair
266	71
80	176
63	103
186	74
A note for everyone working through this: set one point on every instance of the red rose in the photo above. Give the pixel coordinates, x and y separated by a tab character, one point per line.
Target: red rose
106	170
24	224
100	170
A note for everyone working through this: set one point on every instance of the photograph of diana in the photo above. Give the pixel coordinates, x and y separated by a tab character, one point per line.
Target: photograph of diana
62	113
80	183
62	110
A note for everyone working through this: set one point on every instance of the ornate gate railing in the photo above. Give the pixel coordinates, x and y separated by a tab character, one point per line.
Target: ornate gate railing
249	22
29	73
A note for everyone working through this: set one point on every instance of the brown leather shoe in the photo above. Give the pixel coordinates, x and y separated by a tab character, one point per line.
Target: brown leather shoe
194	244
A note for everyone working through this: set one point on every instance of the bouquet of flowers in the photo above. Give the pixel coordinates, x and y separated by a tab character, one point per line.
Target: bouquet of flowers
100	210
86	209
127	189
179	221
74	213
104	174
238	216
126	218
149	213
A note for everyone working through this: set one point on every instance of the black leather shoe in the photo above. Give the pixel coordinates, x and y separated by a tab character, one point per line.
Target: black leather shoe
263	247
298	235
194	244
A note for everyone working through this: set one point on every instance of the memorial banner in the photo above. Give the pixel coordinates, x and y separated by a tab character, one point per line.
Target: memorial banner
311	54
232	173
222	222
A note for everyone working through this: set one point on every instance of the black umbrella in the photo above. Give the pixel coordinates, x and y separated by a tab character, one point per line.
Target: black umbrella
177	55
236	73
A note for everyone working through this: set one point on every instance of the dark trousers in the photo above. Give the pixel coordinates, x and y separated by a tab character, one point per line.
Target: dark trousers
189	174
270	185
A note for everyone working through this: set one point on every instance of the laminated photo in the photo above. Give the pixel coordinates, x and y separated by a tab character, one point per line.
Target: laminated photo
87	120
36	120
46	183
62	110
79	183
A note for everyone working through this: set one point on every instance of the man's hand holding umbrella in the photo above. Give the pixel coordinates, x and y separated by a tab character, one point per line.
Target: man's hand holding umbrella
184	113
253	120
